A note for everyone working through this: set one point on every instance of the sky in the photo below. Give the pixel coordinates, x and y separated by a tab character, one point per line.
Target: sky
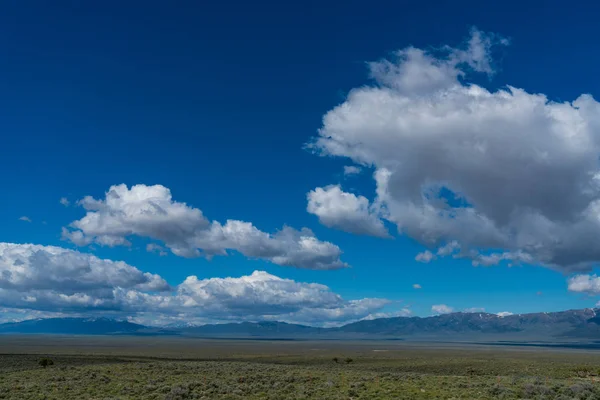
310	163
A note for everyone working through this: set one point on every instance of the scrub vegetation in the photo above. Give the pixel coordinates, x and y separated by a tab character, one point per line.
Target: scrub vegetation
203	369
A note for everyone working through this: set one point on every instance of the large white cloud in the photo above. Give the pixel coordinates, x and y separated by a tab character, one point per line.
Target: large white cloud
345	211
150	212
35	267
56	279
48	279
496	170
265	296
589	284
256	294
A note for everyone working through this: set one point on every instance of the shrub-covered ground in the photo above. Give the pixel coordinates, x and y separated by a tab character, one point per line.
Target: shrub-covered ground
285	371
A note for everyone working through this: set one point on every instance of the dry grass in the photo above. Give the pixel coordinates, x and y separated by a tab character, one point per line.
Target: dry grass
161	368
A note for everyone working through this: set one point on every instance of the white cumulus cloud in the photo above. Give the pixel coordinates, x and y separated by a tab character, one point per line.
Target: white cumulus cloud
57	279
589	284
48	267
425	256
486	170
150	212
48	279
263	296
441	309
503	314
345	211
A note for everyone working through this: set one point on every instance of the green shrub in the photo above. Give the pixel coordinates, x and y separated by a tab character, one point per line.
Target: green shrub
44	362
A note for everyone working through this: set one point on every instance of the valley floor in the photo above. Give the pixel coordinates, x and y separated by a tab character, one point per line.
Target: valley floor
104	368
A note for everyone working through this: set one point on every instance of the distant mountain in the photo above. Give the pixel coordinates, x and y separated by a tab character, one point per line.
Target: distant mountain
565	325
77	326
543	325
252	329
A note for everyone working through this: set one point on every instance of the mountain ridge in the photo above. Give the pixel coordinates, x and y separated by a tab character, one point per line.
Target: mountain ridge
569	324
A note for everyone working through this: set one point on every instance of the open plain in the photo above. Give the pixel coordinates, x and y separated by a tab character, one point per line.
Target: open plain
169	368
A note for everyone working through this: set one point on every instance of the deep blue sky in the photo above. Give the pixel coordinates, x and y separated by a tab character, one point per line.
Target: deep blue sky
216	100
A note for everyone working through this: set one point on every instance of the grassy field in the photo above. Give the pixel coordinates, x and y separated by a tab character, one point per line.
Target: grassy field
172	368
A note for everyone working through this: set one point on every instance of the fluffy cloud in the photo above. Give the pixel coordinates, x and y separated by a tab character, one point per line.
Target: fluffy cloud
351	170
417	286
589	284
450	248
25	219
488	170
47	267
517	256
53	278
150	212
257	294
441	309
36	280
345	211
262	296
503	314
64	201
425	256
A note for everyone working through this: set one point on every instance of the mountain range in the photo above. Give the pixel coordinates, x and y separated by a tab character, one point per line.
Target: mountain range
572	325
